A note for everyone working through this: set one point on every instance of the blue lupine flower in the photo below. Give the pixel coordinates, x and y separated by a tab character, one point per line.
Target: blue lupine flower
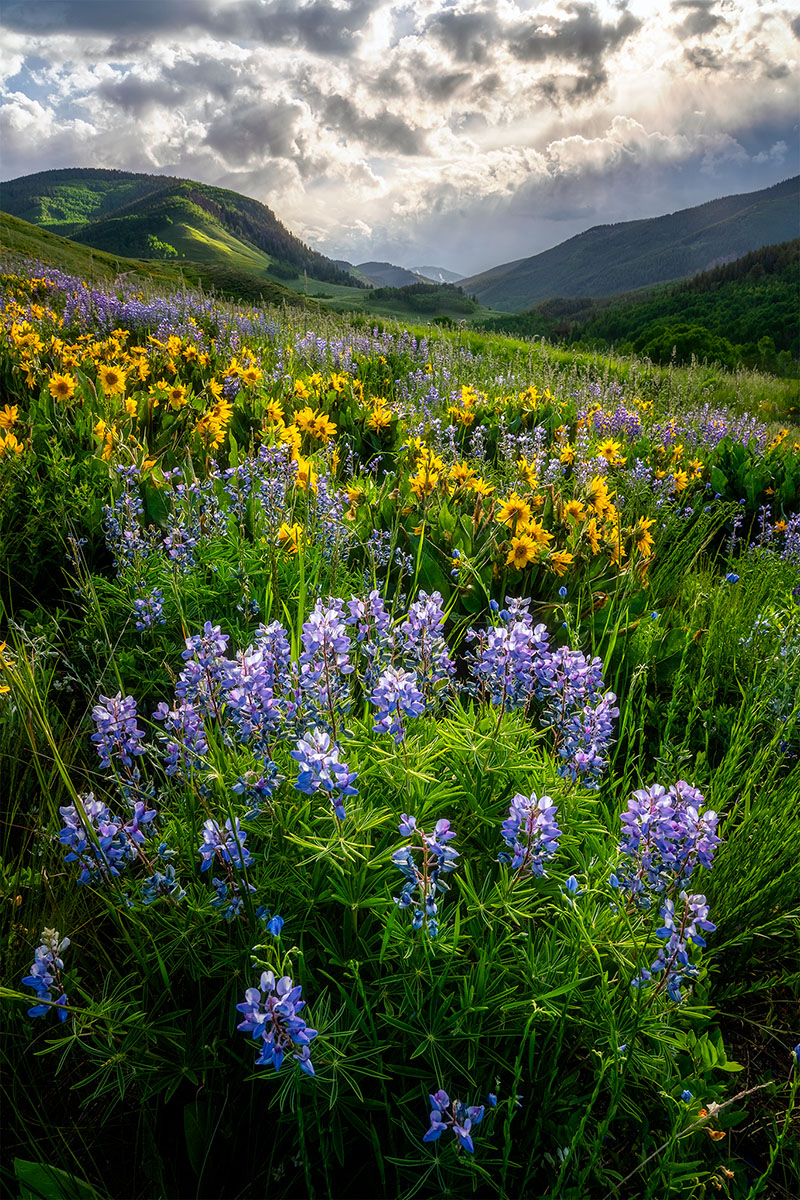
320	770
665	837
686	1096
271	1013
731	577
679	933
532	833
225	843
117	735
162	884
424	880
424	648
45	975
455	1116
110	844
149	610
396	696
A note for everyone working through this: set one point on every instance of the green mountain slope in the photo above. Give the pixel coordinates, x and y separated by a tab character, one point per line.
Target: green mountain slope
611	259
22	240
744	312
156	216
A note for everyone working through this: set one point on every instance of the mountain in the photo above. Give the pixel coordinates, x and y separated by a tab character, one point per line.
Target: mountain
384	274
743	312
161	217
438	274
611	259
25	241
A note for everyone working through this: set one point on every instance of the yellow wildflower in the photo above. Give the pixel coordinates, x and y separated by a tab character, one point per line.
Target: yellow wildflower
575	510
538	534
290	538
514	511
523	550
9	416
62	387
9	446
642	536
112	379
561	560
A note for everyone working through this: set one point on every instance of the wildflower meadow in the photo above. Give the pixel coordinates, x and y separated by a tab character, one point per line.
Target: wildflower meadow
399	756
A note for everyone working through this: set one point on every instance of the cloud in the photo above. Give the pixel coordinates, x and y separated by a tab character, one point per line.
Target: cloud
699	19
464	132
320	27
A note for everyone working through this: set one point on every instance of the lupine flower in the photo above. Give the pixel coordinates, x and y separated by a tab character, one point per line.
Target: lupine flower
424	880
320	770
396	696
270	1013
161	884
110	844
679	930
117	735
45	975
224	843
532	833
149	610
455	1116
686	1096
423	646
664	838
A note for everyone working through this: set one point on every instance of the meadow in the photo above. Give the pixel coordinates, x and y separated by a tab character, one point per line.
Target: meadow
399	750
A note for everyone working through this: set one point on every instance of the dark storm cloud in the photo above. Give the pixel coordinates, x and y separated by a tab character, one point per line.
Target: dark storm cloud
582	38
316	26
137	96
794	25
699	17
255	129
702	58
466	35
385	131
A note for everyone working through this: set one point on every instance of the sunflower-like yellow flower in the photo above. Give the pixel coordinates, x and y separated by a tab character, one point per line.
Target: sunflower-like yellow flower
610	451
481	487
62	387
592	535
523	550
680	480
642	537
304	419
9	416
306	477
251	375
380	418
323	428
10	447
112	378
560	560
177	395
599	499
536	531
424	481
514	511
575	511
461	474
275	412
290	538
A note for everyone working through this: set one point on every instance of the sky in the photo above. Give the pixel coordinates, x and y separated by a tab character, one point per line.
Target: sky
459	134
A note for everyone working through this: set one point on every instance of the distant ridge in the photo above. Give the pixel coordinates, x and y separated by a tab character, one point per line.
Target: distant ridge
438	274
163	217
384	274
612	259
